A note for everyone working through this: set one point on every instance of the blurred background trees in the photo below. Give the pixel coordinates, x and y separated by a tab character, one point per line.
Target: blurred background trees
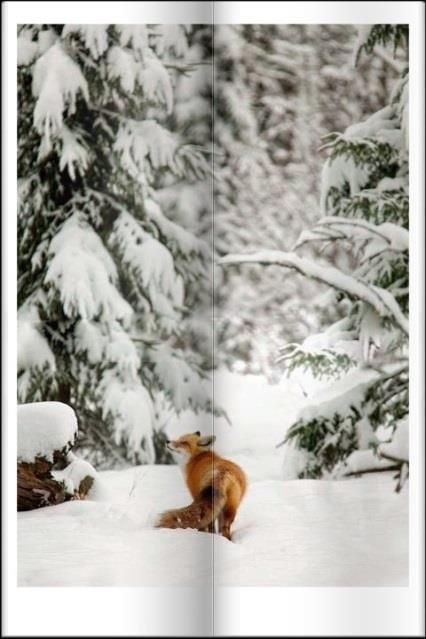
278	90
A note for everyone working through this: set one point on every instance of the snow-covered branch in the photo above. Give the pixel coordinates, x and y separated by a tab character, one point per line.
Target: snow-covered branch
396	65
380	299
394	236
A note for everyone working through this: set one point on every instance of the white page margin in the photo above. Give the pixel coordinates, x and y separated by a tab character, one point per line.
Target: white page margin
270	611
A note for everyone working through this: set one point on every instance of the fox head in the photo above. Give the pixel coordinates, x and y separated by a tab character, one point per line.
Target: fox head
186	446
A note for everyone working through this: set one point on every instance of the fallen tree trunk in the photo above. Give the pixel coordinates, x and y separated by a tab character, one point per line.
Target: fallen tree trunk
41	484
35	491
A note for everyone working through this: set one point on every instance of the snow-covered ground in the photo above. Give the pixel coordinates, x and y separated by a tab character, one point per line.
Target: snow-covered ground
352	532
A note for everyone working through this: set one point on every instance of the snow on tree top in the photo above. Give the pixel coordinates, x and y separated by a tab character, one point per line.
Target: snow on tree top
339	397
171	37
134	35
33	349
83	273
44	427
95	36
27	49
56	81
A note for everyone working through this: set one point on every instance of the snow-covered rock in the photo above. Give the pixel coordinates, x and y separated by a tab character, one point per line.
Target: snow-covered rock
44	427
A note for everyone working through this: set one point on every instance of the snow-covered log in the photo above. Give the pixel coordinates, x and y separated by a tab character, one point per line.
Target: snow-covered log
37	488
77	477
46	433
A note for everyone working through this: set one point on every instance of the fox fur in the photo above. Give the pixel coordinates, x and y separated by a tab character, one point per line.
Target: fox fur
217	486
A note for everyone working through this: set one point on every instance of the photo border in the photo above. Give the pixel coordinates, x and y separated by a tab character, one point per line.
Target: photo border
245	611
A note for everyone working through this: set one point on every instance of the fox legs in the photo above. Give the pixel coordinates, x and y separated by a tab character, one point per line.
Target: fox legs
226	518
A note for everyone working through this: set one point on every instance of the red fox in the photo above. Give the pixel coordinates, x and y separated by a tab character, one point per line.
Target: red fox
217	486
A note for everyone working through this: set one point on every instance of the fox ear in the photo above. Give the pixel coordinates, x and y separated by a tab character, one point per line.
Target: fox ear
197	432
208	440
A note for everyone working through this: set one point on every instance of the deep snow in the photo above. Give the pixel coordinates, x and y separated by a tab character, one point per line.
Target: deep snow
351	532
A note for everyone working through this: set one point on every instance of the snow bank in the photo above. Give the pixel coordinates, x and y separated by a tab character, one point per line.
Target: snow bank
44	427
299	533
350	532
312	533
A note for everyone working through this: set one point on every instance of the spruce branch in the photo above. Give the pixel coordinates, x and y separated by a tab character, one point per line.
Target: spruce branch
380	299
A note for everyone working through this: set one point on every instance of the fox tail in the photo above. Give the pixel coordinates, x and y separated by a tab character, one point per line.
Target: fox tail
200	514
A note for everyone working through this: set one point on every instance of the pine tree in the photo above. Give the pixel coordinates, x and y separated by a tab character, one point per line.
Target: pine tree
364	205
107	277
276	91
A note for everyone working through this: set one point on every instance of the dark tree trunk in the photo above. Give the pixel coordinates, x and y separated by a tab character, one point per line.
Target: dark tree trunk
35	491
64	393
37	486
